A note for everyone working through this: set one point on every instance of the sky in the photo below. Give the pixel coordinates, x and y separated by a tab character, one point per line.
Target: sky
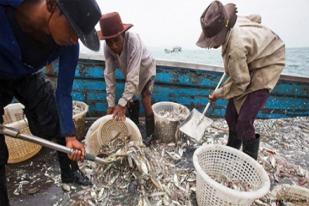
168	23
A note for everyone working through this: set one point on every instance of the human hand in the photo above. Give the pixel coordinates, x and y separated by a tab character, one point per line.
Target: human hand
212	97
110	110
119	113
77	146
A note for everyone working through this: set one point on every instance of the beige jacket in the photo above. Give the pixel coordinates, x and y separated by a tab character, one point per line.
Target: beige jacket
136	64
254	57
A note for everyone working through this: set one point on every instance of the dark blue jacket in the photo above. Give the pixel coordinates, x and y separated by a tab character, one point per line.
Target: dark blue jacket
11	67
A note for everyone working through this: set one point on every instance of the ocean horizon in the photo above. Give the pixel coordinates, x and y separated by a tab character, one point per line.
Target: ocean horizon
297	59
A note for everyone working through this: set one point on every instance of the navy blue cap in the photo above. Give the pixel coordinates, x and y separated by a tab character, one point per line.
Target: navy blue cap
83	15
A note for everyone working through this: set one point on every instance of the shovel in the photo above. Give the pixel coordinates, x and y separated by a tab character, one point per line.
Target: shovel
12	132
195	125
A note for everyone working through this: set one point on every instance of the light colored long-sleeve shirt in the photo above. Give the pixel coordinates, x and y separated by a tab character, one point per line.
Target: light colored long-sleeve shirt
136	64
254	57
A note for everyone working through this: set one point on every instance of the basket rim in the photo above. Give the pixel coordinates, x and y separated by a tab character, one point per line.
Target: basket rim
171	103
228	191
96	125
18	104
128	121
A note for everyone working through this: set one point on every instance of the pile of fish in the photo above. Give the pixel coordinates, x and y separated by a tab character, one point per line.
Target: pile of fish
137	175
282	172
284	154
163	174
234	184
77	108
178	113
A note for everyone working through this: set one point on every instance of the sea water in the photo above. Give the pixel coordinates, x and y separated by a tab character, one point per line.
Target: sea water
297	59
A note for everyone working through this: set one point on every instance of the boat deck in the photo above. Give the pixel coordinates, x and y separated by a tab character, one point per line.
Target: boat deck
37	181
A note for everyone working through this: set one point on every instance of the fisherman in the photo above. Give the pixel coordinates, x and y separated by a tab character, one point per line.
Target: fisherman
125	50
254	57
34	33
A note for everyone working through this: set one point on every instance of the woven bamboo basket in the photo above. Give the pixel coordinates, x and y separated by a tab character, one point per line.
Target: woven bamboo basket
20	150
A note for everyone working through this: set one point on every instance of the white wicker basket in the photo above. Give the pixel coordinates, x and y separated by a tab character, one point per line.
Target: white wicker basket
105	128
13	112
165	128
214	160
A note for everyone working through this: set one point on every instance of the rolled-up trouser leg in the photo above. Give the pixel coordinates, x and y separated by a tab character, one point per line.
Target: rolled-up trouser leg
231	117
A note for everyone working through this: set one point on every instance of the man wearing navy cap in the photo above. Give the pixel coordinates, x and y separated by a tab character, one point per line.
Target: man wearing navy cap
33	33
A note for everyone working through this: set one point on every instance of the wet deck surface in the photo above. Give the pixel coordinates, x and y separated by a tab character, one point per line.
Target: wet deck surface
37	181
32	182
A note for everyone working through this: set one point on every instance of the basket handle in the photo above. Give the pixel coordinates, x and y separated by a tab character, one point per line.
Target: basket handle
209	102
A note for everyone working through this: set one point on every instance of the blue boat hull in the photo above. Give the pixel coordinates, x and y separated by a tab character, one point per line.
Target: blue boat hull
187	84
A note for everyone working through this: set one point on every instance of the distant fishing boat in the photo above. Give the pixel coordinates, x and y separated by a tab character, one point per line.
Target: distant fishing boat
185	83
173	50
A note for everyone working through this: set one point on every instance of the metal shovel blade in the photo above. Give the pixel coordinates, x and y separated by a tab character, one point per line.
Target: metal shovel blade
195	125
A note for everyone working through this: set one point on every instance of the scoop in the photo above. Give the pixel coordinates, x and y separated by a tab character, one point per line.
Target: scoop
196	123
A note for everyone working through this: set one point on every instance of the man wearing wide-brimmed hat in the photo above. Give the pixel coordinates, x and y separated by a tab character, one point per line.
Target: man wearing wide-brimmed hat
254	57
126	51
33	33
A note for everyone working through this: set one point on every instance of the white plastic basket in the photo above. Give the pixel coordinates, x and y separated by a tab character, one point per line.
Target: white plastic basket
214	160
105	128
165	128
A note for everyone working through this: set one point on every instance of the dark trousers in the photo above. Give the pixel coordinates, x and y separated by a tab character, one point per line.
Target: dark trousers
37	95
242	124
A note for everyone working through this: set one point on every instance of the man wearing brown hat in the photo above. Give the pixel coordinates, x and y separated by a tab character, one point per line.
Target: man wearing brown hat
34	33
126	51
254	57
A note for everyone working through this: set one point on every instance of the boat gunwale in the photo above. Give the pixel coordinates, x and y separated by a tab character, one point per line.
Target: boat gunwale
195	66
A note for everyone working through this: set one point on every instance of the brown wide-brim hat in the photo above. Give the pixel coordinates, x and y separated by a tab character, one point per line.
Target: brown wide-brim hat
112	26
216	22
